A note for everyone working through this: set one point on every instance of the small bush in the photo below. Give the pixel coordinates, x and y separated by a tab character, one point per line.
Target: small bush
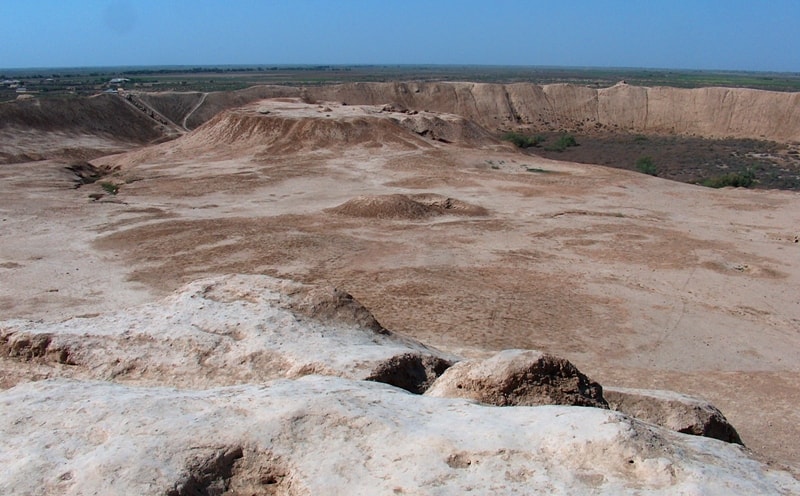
734	179
523	140
564	142
645	165
110	188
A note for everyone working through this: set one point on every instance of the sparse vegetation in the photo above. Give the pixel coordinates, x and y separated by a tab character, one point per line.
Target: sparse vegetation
645	165
110	188
523	140
734	179
564	141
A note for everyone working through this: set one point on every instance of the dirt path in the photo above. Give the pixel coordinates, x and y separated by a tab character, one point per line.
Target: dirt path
197	106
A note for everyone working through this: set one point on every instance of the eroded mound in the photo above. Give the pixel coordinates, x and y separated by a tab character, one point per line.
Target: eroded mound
288	126
384	207
405	207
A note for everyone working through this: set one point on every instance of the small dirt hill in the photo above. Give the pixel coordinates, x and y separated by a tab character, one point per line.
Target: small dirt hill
405	207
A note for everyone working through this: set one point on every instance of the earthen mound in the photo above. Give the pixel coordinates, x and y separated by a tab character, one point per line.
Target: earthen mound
674	411
405	207
448	205
332	305
384	207
519	377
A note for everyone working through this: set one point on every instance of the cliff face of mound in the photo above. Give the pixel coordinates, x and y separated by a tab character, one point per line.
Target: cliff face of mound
707	112
72	128
107	115
704	112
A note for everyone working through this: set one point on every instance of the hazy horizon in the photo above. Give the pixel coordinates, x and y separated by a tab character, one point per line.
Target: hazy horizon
713	35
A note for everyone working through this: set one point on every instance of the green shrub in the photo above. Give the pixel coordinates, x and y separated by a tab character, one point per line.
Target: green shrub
734	179
523	140
645	165
564	141
110	188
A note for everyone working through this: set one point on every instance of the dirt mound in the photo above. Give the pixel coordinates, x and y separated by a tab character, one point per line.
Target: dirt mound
288	126
268	132
519	377
399	206
384	207
334	305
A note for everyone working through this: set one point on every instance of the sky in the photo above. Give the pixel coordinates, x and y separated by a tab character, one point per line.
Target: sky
757	35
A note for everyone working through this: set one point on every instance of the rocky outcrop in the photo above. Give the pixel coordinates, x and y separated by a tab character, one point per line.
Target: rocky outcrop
672	410
519	377
255	385
228	330
329	435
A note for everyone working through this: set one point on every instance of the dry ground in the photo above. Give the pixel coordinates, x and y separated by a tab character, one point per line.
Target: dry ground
639	281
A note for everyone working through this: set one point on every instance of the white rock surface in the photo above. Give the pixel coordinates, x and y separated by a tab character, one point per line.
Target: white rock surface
519	377
672	410
328	435
221	331
254	385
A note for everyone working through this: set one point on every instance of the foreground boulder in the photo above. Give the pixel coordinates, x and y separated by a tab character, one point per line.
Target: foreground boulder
329	435
222	331
519	377
672	410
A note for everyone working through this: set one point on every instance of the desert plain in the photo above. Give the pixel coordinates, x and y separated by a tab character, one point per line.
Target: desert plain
404	196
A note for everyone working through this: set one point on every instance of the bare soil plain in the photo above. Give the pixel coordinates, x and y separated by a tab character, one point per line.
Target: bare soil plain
403	196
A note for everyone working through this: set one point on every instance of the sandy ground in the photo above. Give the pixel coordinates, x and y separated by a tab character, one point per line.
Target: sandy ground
639	281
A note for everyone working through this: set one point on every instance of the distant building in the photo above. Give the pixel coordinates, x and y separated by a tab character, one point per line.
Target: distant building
119	81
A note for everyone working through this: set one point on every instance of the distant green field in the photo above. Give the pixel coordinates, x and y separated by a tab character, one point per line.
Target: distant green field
59	81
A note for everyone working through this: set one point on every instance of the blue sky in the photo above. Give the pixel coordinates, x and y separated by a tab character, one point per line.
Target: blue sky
688	34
